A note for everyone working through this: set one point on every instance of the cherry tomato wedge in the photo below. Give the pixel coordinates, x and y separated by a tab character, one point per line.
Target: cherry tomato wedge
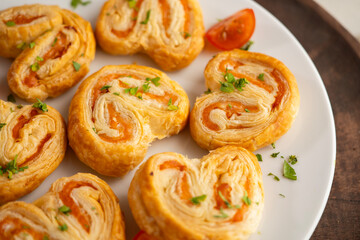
142	235
232	32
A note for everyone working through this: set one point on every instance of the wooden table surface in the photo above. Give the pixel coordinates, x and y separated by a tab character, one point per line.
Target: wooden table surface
336	55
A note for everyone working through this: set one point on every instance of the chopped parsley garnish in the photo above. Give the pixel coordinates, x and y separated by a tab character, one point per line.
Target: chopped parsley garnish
231	83
146	87
292	159
155	81
240	83
273	145
94	129
246	199
139	95
21	46
247	46
198	199
226	87
132	3
12	168
35	67
31	45
147	17
275	177
65	209
40	105
2	125
274	155
247	110
45	238
76	66
222	214
105	87
39	59
281	195
172	107
230	106
25	227
289	172
116	93
55	40
131	91
10	23
261	77
229	77
208	91
227	203
11	98
259	157
63	227
75	3
187	35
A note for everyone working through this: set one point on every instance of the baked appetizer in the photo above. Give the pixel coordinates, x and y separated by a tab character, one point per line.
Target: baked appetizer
53	49
169	31
118	111
79	207
32	145
217	197
252	100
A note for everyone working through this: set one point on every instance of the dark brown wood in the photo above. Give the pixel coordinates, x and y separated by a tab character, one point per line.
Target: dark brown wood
336	55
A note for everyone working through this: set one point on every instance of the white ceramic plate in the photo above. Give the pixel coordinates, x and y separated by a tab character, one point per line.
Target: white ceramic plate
311	138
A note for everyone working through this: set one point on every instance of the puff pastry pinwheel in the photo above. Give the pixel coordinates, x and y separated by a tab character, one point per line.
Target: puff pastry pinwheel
32	145
53	49
252	101
217	197
169	31
118	111
79	207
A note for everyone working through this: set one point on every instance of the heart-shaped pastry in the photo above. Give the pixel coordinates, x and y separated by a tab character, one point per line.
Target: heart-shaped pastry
33	143
79	207
53	49
217	197
118	111
170	32
252	100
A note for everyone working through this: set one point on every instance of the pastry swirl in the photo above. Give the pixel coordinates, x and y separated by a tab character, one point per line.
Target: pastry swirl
169	31
217	197
118	111
253	111
78	207
32	145
53	49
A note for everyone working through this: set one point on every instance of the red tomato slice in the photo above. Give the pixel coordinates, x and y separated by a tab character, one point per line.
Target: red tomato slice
142	235
232	32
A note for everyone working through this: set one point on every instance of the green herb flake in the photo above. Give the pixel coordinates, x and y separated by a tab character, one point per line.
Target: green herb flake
76	66
247	46
55	40
75	3
45	238
116	93
172	107
187	35
93	208
10	23
247	110
147	17
292	159
21	46
11	110
289	172
240	83
275	177
246	199
25	227
105	87
11	98
222	214
226	87
208	91
155	81
63	227
230	106
229	77
94	129
273	145
2	125
227	203
31	45
40	105
146	87
139	95
39	59
259	157
11	168
35	67
198	199
261	77
282	195
132	3
274	155
65	209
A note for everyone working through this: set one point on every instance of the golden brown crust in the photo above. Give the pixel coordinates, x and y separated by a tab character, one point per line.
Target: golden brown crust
254	117
173	42
52	39
36	139
94	212
160	195
111	129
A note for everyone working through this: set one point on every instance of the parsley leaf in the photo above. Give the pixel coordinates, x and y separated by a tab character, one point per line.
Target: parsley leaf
226	87
222	215
198	199
273	145
65	209
281	195
55	40
75	3
227	203
132	3
76	66
35	67
147	17
116	93
229	77
63	227
31	45
247	110
10	23
289	172
40	105
187	35
155	81
172	107
246	199
21	46
293	159
94	129
259	157
208	91
275	177
12	168
146	87
247	46
240	83
131	91
105	87
11	98
274	155
2	125
230	106
261	77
